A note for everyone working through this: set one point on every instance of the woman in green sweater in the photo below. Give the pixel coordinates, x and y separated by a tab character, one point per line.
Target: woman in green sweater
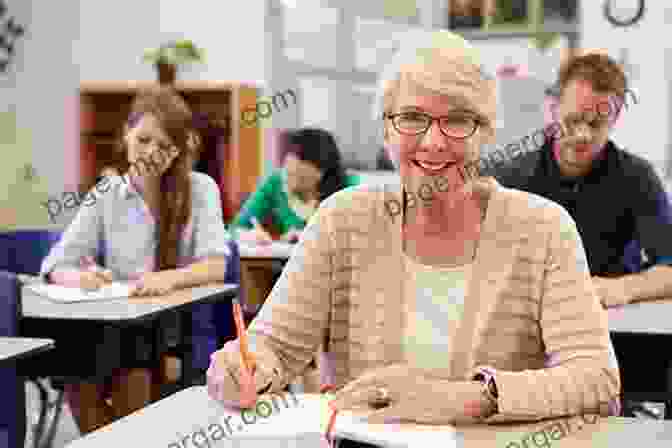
311	171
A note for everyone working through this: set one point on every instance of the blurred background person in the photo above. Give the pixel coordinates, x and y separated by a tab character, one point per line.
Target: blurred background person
311	171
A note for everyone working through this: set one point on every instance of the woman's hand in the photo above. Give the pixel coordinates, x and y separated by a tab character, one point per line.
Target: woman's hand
611	291
229	382
157	283
94	280
412	397
255	236
93	277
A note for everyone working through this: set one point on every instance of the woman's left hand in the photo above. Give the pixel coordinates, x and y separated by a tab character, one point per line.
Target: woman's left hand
611	291
412	397
156	283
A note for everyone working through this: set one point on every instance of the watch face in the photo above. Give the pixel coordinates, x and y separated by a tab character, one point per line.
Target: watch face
623	12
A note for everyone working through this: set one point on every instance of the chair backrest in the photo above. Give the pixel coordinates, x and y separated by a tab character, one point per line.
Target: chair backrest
212	324
223	315
10	304
233	267
22	251
12	391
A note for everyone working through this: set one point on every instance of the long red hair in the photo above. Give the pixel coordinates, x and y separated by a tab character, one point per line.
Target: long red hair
175	118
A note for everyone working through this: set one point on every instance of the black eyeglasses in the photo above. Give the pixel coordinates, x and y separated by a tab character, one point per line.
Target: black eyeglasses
459	126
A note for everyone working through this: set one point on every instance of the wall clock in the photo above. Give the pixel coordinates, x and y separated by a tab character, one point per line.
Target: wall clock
623	13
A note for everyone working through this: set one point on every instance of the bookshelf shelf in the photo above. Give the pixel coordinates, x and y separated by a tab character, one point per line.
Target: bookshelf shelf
231	154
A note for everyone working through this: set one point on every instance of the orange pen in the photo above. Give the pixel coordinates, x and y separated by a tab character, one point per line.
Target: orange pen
330	427
249	363
329	389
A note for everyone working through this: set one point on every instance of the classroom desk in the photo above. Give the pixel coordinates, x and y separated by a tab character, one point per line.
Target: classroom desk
14	349
123	311
258	266
650	324
651	317
111	317
13	352
166	424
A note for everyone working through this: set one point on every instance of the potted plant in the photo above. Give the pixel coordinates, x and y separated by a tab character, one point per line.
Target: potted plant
168	56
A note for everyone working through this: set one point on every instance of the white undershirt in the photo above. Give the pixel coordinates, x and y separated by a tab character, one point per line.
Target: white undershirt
433	306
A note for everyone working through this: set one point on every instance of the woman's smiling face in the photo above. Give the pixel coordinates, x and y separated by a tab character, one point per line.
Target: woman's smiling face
432	154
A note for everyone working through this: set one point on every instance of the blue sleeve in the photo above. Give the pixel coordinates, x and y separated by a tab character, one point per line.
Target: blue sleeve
653	218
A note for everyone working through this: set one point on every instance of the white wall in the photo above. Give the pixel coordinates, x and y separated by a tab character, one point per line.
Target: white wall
40	89
71	41
113	36
232	34
644	127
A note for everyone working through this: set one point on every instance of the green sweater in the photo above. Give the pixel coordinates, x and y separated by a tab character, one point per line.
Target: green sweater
271	199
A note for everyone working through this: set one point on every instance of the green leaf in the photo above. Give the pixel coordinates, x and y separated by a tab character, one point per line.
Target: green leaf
175	52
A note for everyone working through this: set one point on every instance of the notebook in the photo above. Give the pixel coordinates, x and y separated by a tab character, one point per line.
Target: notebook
303	417
64	294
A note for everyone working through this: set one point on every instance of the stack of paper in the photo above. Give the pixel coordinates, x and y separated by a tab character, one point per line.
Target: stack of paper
304	417
57	293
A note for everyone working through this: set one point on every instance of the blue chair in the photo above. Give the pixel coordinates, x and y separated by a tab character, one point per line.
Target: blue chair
22	251
212	324
12	389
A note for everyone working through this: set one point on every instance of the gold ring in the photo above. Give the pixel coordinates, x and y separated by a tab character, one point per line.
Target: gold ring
381	397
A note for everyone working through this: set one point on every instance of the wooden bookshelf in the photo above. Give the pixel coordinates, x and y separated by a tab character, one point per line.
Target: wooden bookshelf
233	151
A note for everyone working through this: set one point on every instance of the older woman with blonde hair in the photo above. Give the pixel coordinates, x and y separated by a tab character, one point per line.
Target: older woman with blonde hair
474	302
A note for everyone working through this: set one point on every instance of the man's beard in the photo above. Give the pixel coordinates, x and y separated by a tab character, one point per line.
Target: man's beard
571	158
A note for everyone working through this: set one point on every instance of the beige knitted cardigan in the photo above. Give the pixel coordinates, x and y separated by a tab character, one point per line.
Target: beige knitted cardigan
531	311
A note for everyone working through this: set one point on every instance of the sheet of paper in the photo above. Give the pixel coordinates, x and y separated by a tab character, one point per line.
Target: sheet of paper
279	249
57	293
292	416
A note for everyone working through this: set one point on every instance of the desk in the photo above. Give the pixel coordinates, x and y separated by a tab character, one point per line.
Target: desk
15	349
646	324
108	318
258	267
642	318
166	424
13	352
123	311
89	334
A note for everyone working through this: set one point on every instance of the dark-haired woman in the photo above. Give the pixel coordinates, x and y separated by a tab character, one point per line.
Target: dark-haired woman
311	171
